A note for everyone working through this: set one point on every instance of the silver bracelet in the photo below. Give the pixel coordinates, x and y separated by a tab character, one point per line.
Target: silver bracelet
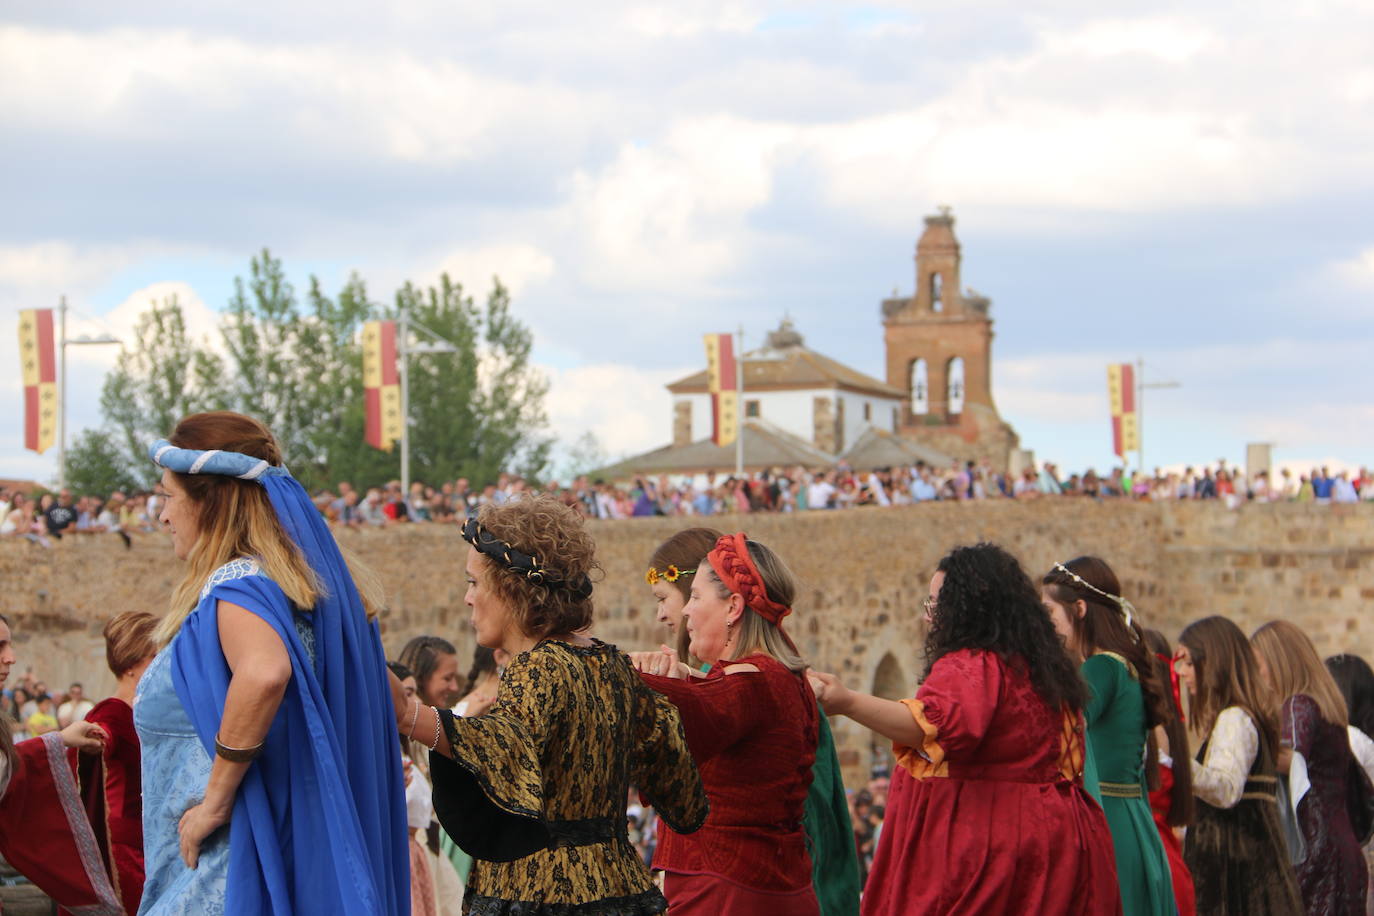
435	745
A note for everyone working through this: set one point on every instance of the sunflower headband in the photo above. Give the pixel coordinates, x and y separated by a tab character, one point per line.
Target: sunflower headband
671	574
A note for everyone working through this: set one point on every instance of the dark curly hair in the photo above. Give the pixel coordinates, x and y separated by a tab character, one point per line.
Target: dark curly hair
988	602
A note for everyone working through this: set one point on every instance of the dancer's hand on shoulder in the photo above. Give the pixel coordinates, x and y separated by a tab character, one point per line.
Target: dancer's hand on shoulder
833	696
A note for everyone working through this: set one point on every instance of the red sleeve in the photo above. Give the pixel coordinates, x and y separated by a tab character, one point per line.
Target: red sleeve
716	712
44	832
953	707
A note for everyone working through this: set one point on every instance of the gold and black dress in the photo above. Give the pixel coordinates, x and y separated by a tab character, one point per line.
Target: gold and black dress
537	788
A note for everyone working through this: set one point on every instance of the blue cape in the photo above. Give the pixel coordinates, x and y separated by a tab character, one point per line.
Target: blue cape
319	824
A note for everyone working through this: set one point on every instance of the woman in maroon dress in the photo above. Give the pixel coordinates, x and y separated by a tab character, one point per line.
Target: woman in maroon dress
752	726
111	783
987	812
1316	756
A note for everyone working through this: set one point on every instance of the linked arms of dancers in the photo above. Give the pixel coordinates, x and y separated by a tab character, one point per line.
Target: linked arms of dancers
415	720
888	718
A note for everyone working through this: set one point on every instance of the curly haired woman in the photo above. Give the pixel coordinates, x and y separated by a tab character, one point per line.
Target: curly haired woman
535	789
987	812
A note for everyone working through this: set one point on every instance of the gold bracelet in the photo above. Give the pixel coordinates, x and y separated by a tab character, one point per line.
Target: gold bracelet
237	754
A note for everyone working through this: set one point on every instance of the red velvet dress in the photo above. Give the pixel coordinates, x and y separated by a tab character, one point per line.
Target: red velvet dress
44	832
112	792
753	736
1184	897
989	814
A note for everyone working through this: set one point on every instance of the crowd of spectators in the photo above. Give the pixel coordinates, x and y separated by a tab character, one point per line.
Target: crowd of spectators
34	711
45	517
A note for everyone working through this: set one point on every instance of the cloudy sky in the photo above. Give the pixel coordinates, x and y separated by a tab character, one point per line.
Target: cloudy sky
1187	183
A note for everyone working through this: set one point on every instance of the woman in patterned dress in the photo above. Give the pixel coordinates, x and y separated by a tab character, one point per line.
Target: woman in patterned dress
1321	769
1235	847
271	782
535	789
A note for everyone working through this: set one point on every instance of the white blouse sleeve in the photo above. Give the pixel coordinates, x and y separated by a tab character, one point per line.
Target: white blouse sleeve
1220	779
1363	749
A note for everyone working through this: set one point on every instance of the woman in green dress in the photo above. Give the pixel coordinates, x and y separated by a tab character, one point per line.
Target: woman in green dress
1084	601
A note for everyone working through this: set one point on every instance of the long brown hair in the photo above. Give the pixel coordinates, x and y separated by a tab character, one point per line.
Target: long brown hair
1103	628
235	517
1226	675
1295	667
7	750
685	550
1181	810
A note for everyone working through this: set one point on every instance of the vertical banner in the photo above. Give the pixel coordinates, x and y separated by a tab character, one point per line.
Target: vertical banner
38	360
1121	397
381	385
720	381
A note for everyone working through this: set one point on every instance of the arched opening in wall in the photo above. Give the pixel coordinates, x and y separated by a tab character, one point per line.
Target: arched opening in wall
919	387
889	683
936	292
954	379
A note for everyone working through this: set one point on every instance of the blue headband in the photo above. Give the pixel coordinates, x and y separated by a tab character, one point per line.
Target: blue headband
229	464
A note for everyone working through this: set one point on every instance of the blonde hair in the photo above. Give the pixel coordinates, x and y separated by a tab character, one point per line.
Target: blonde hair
755	633
236	519
1294	668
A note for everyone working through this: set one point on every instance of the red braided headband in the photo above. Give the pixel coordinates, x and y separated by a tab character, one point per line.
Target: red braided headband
730	559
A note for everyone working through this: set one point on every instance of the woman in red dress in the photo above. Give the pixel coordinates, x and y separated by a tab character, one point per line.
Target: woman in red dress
1172	803
987	812
111	782
752	727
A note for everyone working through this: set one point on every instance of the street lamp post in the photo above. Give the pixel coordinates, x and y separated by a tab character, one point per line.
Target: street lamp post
85	340
1140	387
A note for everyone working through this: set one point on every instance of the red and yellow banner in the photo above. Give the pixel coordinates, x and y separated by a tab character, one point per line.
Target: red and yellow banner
1121	397
38	359
720	381
381	385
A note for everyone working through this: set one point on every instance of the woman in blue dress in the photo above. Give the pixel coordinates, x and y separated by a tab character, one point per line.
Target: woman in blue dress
271	782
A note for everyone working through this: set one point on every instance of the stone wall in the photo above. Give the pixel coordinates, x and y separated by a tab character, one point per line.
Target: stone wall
865	573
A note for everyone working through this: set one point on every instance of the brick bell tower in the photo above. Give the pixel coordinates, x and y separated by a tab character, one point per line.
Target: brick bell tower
939	351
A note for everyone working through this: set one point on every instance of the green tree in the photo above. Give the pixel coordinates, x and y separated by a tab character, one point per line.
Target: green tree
96	466
479	411
158	380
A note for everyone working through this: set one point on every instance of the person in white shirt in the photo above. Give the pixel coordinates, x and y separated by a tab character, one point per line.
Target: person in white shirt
76	707
820	493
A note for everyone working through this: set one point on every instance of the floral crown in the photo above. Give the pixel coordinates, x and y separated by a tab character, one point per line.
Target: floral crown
670	574
1127	609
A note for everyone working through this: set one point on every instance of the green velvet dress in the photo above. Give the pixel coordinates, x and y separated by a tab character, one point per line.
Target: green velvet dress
1116	735
830	832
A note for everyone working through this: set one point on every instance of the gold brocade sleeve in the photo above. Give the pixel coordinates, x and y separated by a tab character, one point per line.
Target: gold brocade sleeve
663	767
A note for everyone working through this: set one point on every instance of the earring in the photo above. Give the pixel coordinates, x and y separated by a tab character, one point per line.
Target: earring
729	631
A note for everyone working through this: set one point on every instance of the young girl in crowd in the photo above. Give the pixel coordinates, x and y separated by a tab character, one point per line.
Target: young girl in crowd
1172	802
987	812
1235	848
834	860
1125	702
1316	756
752	725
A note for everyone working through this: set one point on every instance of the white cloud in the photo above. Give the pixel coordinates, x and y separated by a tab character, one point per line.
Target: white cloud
629	410
1356	273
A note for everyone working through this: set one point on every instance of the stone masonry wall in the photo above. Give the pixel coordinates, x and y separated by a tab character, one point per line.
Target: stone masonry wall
864	575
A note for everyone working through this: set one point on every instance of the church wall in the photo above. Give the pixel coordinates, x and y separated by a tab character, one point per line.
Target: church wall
864	573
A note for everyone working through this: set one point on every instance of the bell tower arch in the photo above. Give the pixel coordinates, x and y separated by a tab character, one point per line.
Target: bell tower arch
945	329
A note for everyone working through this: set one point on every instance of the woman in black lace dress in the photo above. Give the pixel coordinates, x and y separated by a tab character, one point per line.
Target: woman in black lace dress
1316	756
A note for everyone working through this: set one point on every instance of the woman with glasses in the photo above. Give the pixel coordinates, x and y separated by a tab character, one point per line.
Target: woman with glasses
987	812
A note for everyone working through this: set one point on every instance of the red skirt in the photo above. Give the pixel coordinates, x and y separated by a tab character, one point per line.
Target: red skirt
708	895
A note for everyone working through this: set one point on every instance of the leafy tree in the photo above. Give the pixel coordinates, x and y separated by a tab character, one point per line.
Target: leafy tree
96	466
163	377
479	411
584	456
